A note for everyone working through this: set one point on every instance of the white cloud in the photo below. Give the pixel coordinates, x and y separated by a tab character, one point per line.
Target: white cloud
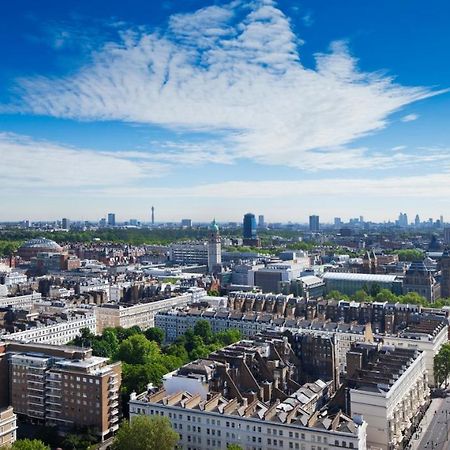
410	118
237	69
26	163
434	186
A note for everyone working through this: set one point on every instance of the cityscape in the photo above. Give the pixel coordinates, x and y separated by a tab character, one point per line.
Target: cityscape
224	224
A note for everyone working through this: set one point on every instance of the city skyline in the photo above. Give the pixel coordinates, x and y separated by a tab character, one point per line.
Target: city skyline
273	107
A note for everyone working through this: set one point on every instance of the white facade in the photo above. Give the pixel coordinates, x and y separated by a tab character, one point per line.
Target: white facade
57	334
389	414
205	430
141	315
8	427
429	345
20	301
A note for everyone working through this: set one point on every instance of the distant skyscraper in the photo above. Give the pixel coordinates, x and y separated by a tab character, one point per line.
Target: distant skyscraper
417	220
111	220
153	215
361	219
65	224
214	248
249	224
447	236
402	220
186	223
261	223
337	222
314	224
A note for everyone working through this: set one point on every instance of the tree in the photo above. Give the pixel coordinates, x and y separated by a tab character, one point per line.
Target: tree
442	364
146	433
203	329
361	296
385	295
137	349
29	444
155	334
234	447
409	255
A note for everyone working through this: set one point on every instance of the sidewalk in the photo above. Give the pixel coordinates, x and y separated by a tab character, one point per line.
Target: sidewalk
435	405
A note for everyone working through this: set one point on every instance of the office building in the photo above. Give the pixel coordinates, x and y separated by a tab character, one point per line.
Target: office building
214	248
250	236
388	387
314	225
153	215
189	253
65	224
261	223
111	220
251	394
62	386
186	223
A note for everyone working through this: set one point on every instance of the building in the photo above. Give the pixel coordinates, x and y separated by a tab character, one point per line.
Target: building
153	215
33	247
8	426
62	386
12	278
57	332
111	315
447	236
65	223
261	223
250	236
20	301
314	225
186	223
419	279
388	387
251	394
111	220
189	253
445	273
349	283
214	248
426	336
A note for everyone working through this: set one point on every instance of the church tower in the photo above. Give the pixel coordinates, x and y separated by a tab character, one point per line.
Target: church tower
214	248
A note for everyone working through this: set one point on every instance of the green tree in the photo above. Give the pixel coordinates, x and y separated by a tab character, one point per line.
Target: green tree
203	329
409	255
234	447
442	364
336	295
385	295
155	334
137	349
146	433
361	296
29	444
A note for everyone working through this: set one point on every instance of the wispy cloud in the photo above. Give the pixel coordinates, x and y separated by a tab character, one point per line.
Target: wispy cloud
30	164
410	118
236	69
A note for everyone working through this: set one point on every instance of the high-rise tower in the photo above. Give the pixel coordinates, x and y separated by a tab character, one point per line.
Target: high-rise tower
214	248
153	215
445	274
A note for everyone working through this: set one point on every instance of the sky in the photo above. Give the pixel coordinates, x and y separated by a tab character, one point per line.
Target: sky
215	108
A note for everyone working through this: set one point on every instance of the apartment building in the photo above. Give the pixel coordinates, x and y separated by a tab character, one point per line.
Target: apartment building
62	386
250	394
141	315
8	426
388	387
189	253
20	301
57	332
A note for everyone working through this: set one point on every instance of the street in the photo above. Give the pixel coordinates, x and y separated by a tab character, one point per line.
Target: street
436	435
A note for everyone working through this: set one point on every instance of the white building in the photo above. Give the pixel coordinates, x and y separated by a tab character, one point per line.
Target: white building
390	393
20	301
429	341
214	248
59	333
8	427
111	315
189	253
12	278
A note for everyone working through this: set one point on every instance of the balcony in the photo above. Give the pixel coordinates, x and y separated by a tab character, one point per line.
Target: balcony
114	420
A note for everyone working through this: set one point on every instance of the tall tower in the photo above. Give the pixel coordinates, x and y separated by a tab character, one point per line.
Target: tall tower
153	215
214	247
314	224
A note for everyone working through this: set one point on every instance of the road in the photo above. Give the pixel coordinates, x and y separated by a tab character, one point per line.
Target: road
436	436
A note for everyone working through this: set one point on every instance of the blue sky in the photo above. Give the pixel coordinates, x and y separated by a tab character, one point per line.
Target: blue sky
215	108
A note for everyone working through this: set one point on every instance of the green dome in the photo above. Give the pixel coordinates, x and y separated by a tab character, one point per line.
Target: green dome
213	226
